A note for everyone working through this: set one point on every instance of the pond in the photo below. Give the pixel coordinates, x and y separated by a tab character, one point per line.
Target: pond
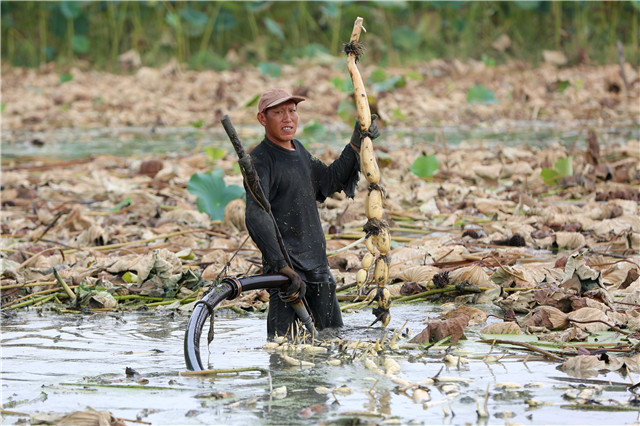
67	144
67	362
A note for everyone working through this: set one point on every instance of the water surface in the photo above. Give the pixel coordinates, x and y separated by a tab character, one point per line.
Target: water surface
65	363
67	144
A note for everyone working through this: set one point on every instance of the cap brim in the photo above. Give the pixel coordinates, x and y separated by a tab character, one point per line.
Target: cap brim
277	102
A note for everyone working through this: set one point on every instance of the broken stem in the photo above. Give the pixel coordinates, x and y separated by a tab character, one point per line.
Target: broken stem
223	371
347	247
33	301
35	256
524	345
613	327
64	285
16	304
35	284
446	289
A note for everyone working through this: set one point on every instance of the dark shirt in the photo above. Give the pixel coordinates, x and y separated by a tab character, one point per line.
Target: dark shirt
292	182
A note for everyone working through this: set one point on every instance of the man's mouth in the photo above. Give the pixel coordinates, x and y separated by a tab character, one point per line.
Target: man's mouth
287	128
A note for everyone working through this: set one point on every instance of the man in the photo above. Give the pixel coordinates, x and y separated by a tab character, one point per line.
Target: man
293	180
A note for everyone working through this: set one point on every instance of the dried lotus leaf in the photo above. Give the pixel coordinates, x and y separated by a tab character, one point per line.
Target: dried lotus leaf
234	214
583	363
570	240
633	363
418	274
546	317
476	316
489	172
103	299
395	289
632	277
615	363
474	274
509	327
618	319
438	330
589	314
620	274
94	235
508	275
556	316
633	320
88	417
597	261
185	217
160	262
409	256
346	261
617	225
571	334
632	295
529	275
521	301
576	265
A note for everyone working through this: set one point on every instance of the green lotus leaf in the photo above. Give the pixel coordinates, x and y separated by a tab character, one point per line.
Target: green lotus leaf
213	193
424	166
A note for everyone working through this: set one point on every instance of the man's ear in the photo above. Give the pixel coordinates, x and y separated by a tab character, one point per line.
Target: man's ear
262	118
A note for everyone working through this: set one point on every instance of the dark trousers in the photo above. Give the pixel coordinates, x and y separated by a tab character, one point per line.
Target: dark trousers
322	301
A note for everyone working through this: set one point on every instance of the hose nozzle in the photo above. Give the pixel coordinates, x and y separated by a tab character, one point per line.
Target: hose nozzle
304	317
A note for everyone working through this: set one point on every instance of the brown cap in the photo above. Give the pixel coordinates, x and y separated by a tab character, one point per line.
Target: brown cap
274	97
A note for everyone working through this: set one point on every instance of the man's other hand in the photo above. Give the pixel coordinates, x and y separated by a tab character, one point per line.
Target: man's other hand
374	132
296	288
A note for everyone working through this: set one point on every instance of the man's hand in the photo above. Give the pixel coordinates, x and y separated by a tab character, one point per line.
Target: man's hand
296	288
374	132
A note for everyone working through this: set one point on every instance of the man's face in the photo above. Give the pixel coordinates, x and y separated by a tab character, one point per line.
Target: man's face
280	122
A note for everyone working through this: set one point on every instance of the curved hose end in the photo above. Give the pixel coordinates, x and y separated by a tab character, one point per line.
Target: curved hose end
304	317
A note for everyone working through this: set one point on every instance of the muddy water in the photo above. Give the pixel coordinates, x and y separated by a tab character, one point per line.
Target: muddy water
77	143
65	363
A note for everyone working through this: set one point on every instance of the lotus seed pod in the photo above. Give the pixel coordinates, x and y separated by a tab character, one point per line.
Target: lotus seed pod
386	318
381	273
373	204
361	277
360	94
369	244
367	260
383	241
384	298
368	162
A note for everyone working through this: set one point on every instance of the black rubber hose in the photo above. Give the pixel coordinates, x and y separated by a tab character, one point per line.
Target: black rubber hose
229	288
